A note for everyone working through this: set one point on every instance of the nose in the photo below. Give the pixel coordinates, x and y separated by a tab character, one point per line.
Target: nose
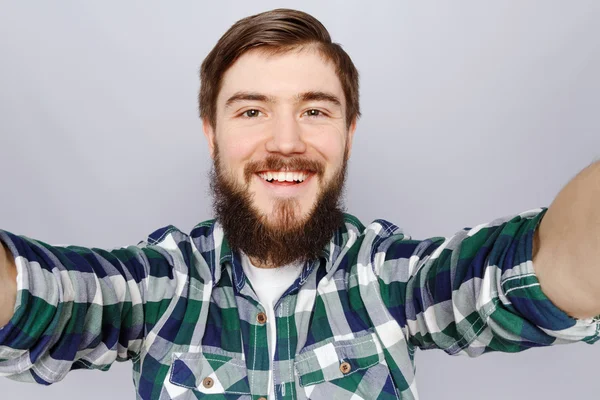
286	137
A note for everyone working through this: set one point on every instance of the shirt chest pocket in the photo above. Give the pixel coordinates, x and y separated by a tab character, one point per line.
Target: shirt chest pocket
346	369
210	375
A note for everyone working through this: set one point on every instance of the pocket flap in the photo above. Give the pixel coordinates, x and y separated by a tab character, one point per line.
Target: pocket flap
226	374
324	362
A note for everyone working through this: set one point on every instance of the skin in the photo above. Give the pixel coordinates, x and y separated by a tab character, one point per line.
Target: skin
8	285
567	246
263	110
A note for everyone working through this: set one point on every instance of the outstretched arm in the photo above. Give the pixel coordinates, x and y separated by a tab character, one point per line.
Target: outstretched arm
567	246
76	307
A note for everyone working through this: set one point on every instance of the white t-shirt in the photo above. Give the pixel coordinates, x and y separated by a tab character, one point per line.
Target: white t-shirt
269	284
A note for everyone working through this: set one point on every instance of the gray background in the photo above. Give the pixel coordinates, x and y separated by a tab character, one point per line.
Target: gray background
472	111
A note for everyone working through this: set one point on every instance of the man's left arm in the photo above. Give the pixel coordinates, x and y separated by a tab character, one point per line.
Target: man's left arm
566	248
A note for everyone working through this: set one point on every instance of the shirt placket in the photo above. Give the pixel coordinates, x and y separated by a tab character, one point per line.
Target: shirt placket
283	364
255	335
286	344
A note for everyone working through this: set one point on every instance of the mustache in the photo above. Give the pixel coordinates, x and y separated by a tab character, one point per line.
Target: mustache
273	163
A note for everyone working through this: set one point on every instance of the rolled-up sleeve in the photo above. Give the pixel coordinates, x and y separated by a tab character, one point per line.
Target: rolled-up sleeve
476	291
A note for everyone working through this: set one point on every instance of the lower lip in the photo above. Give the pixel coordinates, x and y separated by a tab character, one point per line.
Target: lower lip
286	188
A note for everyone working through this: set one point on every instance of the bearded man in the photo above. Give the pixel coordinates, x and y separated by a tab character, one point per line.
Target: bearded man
284	296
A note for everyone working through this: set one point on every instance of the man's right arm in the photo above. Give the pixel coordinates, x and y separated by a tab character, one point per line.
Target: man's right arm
66	307
8	285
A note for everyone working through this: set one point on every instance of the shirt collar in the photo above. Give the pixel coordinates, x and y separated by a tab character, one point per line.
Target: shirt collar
343	237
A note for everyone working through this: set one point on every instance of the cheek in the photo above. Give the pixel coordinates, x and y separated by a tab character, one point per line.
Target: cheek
244	140
331	148
235	151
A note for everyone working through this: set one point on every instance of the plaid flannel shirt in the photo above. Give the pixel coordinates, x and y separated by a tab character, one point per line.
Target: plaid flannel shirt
180	307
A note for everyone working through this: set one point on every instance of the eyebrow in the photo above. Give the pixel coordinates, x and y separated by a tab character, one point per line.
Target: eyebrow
302	97
248	96
319	96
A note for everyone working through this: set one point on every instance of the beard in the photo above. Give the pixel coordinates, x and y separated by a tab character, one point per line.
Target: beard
284	236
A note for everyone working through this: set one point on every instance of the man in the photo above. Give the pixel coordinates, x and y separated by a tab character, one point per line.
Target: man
284	295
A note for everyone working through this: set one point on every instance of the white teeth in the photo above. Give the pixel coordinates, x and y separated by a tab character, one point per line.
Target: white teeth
284	176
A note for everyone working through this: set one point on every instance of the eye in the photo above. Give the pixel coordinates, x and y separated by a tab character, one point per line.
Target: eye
314	113
253	113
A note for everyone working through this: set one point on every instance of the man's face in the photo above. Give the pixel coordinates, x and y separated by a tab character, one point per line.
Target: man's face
281	131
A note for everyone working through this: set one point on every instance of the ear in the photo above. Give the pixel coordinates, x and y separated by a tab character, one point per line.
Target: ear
209	133
350	138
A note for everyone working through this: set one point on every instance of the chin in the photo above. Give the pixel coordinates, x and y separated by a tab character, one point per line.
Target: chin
285	215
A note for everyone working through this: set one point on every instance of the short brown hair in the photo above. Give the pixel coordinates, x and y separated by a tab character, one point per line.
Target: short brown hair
275	31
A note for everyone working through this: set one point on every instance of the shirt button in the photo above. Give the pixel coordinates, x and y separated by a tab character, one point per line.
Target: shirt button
345	367
208	383
261	318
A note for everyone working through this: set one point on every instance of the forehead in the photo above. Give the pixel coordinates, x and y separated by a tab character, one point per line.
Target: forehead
282	76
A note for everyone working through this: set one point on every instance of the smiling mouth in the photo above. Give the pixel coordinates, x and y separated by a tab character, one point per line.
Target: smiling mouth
285	178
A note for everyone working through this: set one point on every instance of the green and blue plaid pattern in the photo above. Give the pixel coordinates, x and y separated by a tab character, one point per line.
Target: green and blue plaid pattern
180	307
